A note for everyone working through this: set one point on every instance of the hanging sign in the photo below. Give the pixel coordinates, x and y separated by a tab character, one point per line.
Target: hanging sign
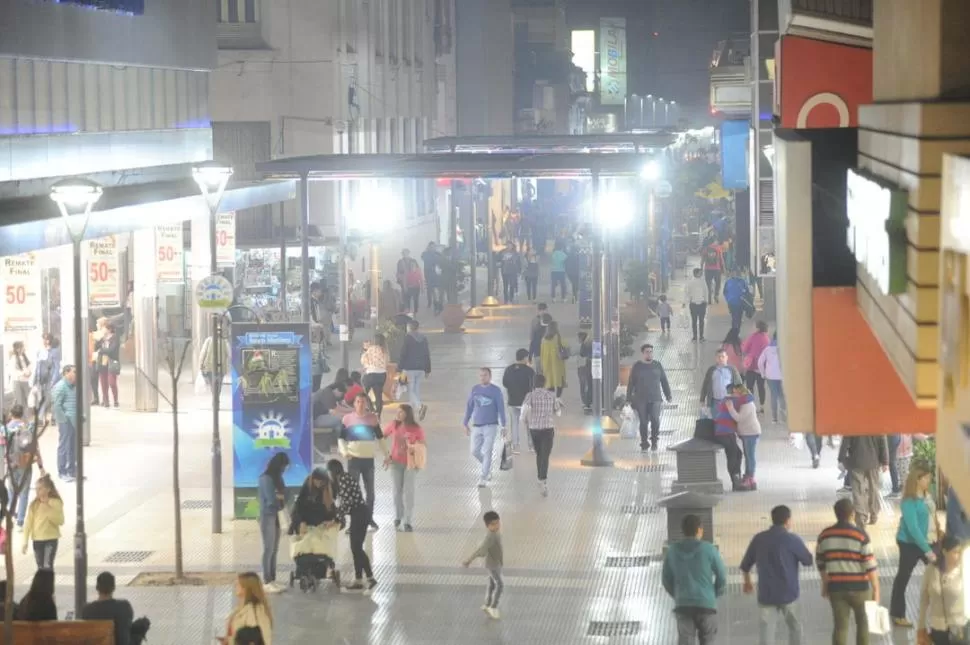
169	266
226	240
104	277
20	277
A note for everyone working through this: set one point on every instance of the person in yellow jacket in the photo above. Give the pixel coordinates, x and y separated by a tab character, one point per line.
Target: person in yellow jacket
551	359
45	516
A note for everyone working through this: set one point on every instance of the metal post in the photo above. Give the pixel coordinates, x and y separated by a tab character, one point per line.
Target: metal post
215	348
473	248
283	309
597	454
80	539
653	119
641	112
305	245
344	296
375	283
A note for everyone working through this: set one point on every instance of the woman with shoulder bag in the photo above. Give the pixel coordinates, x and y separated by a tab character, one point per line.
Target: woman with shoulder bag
407	439
109	363
251	622
551	356
942	619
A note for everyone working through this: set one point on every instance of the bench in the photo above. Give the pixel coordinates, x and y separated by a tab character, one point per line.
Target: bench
75	632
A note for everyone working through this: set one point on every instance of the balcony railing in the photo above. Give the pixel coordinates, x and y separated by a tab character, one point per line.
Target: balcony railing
844	21
857	12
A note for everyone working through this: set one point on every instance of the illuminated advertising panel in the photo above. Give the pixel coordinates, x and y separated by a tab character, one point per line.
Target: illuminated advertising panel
612	61
584	55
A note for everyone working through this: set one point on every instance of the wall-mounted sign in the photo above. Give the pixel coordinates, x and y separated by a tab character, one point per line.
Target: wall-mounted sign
20	277
169	263
612	61
954	324
600	123
734	154
876	233
129	7
104	278
226	240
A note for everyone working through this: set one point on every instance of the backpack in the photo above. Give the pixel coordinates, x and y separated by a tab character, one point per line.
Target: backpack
19	444
413	277
711	257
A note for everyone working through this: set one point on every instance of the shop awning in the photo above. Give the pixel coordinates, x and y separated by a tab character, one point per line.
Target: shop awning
34	223
857	389
534	144
455	166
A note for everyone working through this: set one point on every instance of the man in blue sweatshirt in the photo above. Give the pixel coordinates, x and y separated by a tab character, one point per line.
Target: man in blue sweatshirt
736	294
485	411
695	577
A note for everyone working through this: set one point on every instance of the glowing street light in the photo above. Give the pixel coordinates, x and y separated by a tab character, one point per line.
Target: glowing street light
652	170
615	211
377	211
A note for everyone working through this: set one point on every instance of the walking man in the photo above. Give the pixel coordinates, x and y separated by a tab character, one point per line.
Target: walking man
64	403
777	553
698	295
719	376
485	411
518	381
849	573
539	411
695	577
416	364
736	295
647	389
713	266
863	457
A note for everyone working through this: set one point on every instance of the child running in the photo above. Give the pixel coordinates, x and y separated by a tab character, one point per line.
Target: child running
491	550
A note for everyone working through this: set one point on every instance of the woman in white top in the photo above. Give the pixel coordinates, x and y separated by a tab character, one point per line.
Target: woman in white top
374	361
252	615
19	371
743	410
942	620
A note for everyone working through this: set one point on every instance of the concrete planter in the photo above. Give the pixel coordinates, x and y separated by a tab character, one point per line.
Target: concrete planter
453	318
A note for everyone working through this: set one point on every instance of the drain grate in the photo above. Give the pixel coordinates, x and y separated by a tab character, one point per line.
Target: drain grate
640	509
613	628
666	432
652	468
196	504
632	561
125	557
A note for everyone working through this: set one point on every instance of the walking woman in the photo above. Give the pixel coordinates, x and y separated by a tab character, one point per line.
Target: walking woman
531	275
272	500
251	621
352	503
18	367
742	409
942	617
374	361
912	539
751	349
551	357
407	441
47	372
538	418
45	517
109	363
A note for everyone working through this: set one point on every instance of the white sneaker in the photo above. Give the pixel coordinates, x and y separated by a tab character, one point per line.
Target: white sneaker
273	588
482	483
544	489
493	612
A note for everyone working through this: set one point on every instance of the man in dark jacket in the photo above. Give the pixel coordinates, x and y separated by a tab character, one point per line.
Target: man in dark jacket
511	265
538	329
416	364
647	389
430	258
517	381
863	458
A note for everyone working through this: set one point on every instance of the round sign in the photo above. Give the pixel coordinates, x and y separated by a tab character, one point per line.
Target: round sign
663	189
214	294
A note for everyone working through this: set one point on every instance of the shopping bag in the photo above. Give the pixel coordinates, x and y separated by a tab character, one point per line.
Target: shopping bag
683	319
878	617
506	456
797	440
630	422
201	387
400	391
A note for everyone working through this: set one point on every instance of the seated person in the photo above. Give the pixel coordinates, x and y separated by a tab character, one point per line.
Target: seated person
353	388
107	608
403	319
328	407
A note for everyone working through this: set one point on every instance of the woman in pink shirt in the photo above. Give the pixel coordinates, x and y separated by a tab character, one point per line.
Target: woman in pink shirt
751	349
405	436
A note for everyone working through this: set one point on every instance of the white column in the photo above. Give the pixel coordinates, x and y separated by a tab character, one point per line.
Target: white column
67	328
145	312
199	268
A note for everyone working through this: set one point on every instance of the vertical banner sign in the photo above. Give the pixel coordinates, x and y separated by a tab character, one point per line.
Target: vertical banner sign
20	277
585	284
226	240
104	279
271	386
169	266
612	61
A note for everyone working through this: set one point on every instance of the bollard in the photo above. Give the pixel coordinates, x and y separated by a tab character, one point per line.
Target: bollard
697	467
684	503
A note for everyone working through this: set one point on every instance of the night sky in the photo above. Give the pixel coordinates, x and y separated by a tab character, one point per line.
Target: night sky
675	63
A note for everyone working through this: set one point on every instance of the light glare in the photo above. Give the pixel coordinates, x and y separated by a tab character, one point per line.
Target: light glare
376	212
615	210
651	171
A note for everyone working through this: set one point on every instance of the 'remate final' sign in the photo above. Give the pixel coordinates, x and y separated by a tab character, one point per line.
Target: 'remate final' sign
20	277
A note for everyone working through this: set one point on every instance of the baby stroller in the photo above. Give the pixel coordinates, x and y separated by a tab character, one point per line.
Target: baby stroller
315	554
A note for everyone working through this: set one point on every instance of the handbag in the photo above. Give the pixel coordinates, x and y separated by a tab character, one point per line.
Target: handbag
878	618
114	367
564	351
249	636
958	635
506	456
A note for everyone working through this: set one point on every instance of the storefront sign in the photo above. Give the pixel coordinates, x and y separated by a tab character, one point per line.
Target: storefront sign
271	387
22	309
169	263
876	232
214	294
612	61
104	277
226	240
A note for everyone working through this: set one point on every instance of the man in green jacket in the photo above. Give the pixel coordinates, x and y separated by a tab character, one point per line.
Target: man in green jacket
64	406
694	576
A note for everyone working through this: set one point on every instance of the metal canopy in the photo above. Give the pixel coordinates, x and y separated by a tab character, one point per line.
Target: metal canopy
454	166
545	143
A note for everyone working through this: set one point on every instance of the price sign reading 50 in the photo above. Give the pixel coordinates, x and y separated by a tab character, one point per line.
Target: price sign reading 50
166	253
16	295
98	272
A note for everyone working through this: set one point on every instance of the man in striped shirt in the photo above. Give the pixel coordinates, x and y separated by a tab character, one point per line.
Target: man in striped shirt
538	417
849	575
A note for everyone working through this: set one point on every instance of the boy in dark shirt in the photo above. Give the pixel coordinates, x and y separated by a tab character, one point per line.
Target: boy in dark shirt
107	608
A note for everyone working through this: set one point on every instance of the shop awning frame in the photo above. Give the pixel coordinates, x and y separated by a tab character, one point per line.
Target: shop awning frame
619	142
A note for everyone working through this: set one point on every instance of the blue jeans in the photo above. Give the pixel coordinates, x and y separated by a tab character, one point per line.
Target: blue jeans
22	479
414	388
66	457
483	447
777	395
750	444
893	441
515	411
768	616
269	530
559	278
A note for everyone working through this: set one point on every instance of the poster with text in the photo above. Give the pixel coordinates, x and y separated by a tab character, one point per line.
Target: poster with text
271	388
613	82
22	310
169	245
104	276
226	240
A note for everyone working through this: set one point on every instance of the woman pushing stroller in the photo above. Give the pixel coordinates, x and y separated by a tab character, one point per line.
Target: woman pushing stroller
315	527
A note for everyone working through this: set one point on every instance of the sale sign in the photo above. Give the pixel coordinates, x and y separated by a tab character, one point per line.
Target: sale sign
168	254
104	276
226	239
20	277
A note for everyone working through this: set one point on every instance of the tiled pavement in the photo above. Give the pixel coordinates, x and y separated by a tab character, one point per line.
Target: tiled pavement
556	548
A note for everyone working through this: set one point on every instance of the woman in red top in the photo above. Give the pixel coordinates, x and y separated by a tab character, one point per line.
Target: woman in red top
404	434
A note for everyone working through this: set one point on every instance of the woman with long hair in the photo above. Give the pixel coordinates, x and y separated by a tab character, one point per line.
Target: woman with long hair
251	622
45	516
911	538
109	363
272	499
405	435
352	503
550	355
751	350
47	372
942	617
742	409
374	361
19	371
315	506
38	603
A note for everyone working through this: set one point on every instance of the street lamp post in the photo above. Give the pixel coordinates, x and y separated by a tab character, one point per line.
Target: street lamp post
75	199
653	107
212	179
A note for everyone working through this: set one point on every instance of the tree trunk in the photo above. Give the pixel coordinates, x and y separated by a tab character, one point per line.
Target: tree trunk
175	479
